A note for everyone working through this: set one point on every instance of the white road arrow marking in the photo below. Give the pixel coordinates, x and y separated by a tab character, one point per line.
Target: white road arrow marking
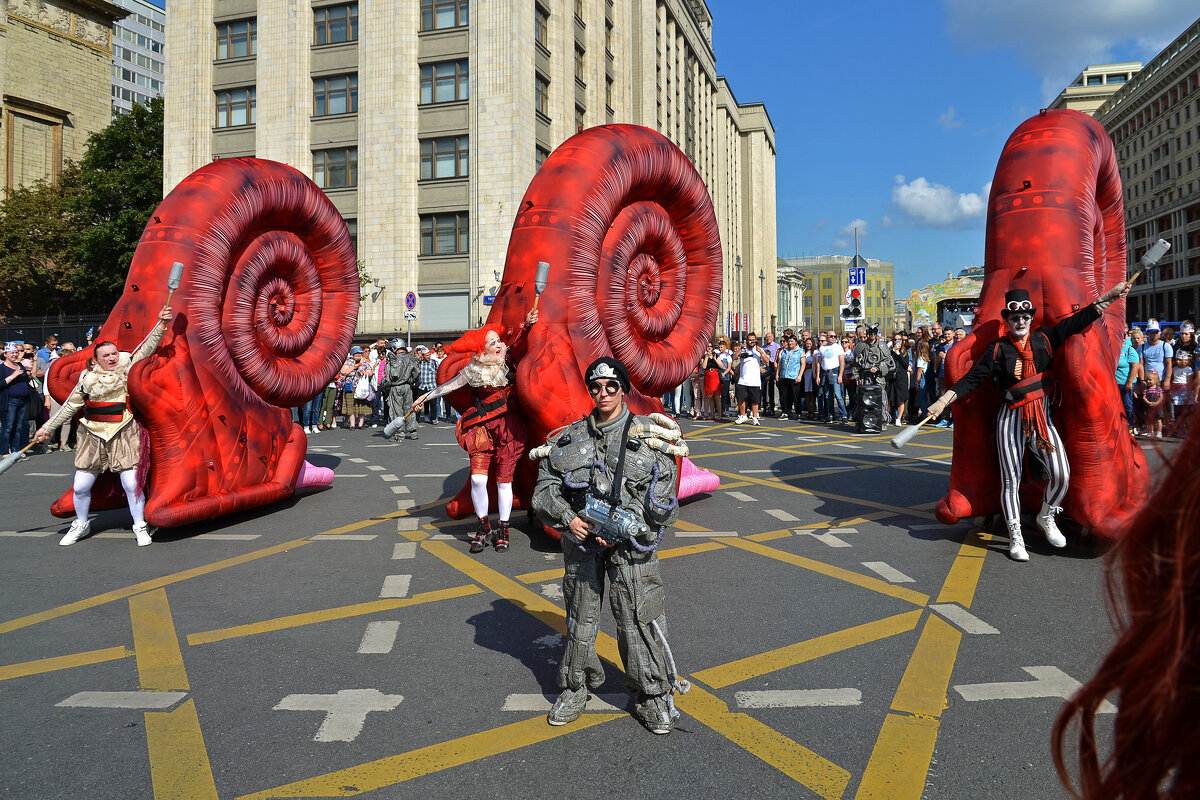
798	698
963	618
345	712
143	701
1050	682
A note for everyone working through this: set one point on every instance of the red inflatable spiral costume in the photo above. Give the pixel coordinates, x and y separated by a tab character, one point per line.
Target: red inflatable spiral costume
628	229
1055	227
268	265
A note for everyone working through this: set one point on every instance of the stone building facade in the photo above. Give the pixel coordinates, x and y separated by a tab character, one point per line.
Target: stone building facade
1154	121
424	121
56	62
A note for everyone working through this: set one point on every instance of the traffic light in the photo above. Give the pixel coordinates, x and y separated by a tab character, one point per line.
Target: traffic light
845	312
855	307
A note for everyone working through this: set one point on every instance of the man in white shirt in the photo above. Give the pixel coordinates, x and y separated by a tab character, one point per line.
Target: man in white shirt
750	366
833	364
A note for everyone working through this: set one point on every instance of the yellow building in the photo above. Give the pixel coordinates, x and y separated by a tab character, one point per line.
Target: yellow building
425	121
813	289
55	85
1092	88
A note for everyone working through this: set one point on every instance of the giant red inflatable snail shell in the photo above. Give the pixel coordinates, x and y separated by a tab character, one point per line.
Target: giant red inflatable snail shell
1056	227
264	317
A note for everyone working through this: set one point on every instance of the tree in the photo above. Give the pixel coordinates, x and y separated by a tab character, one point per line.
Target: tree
38	236
120	186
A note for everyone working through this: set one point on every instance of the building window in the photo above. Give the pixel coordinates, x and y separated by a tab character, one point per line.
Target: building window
335	95
827	300
444	234
541	95
541	25
444	82
237	39
579	9
446	157
235	107
336	168
827	282
579	67
580	113
827	322
540	154
438	14
352	227
608	86
335	24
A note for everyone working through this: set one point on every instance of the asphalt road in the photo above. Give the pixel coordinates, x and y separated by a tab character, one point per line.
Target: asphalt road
839	641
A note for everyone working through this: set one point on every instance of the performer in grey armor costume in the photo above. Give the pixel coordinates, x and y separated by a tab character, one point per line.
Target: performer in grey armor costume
581	462
872	364
399	375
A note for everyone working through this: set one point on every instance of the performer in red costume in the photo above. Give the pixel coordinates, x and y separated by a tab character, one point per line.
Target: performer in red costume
108	436
494	430
1018	363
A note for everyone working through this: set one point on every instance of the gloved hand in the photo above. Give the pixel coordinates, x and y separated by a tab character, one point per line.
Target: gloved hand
938	406
1107	299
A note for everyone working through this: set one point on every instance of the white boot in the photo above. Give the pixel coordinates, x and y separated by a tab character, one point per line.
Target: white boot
1016	541
1045	521
142	532
79	529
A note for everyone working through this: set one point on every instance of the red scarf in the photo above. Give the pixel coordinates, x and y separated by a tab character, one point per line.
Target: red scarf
1032	405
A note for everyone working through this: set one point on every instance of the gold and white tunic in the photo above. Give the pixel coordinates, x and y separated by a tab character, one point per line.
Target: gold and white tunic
107	441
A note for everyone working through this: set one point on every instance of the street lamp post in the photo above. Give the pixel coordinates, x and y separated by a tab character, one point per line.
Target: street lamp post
737	262
762	302
888	312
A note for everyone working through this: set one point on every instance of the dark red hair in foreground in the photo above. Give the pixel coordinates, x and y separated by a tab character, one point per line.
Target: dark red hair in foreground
1153	670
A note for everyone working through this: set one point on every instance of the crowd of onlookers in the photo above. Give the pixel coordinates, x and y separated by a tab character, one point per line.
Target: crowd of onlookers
1156	374
359	397
811	376
24	402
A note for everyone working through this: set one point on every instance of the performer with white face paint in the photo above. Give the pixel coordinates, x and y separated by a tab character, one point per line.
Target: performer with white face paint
1017	362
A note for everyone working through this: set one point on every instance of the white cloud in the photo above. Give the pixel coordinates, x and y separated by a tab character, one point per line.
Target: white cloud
887	221
936	206
1061	37
949	119
855	224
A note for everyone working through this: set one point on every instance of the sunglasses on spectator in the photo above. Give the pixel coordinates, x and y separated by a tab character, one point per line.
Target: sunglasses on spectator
609	387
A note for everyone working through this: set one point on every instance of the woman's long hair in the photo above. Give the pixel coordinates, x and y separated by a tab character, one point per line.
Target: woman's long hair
1153	671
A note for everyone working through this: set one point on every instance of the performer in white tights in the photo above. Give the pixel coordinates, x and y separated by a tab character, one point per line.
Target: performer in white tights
108	439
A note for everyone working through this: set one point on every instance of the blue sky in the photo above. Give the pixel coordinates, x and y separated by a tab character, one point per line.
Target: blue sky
893	113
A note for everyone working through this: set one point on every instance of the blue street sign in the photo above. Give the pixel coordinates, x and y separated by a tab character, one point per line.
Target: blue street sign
488	299
858	276
410	301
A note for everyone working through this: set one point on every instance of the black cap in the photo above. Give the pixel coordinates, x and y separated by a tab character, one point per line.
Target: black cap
607	367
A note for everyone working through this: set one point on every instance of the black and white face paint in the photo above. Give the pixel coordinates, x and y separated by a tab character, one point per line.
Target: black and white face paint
1019	323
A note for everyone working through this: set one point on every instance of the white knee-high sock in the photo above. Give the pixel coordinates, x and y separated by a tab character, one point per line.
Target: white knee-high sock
82	489
137	502
504	499
479	495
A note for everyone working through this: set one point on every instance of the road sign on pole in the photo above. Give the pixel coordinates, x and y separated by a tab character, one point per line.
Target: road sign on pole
410	301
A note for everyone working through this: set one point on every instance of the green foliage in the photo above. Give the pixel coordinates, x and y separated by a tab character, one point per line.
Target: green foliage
69	245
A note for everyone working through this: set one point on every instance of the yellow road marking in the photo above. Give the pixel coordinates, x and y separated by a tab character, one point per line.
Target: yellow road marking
179	766
899	763
857	501
187	574
329	614
830	571
768	536
758	739
817	647
965	571
395	769
799	763
63	662
155	643
674	552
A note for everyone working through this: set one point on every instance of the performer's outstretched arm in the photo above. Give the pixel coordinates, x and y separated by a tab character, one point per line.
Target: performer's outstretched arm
1081	319
455	383
968	383
152	340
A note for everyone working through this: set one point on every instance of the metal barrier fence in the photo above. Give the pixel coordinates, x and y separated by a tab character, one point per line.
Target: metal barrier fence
69	328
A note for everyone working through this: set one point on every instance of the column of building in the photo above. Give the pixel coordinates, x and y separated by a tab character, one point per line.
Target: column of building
284	91
188	102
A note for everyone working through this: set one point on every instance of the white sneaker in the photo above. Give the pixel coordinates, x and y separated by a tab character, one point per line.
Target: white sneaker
1158	434
755	421
376	426
333	424
740	420
78	530
1016	542
1045	521
316	429
142	532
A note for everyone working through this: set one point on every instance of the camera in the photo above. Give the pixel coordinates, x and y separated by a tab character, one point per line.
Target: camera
610	523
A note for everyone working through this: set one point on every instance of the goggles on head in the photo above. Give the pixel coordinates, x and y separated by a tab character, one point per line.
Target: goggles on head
1019	305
